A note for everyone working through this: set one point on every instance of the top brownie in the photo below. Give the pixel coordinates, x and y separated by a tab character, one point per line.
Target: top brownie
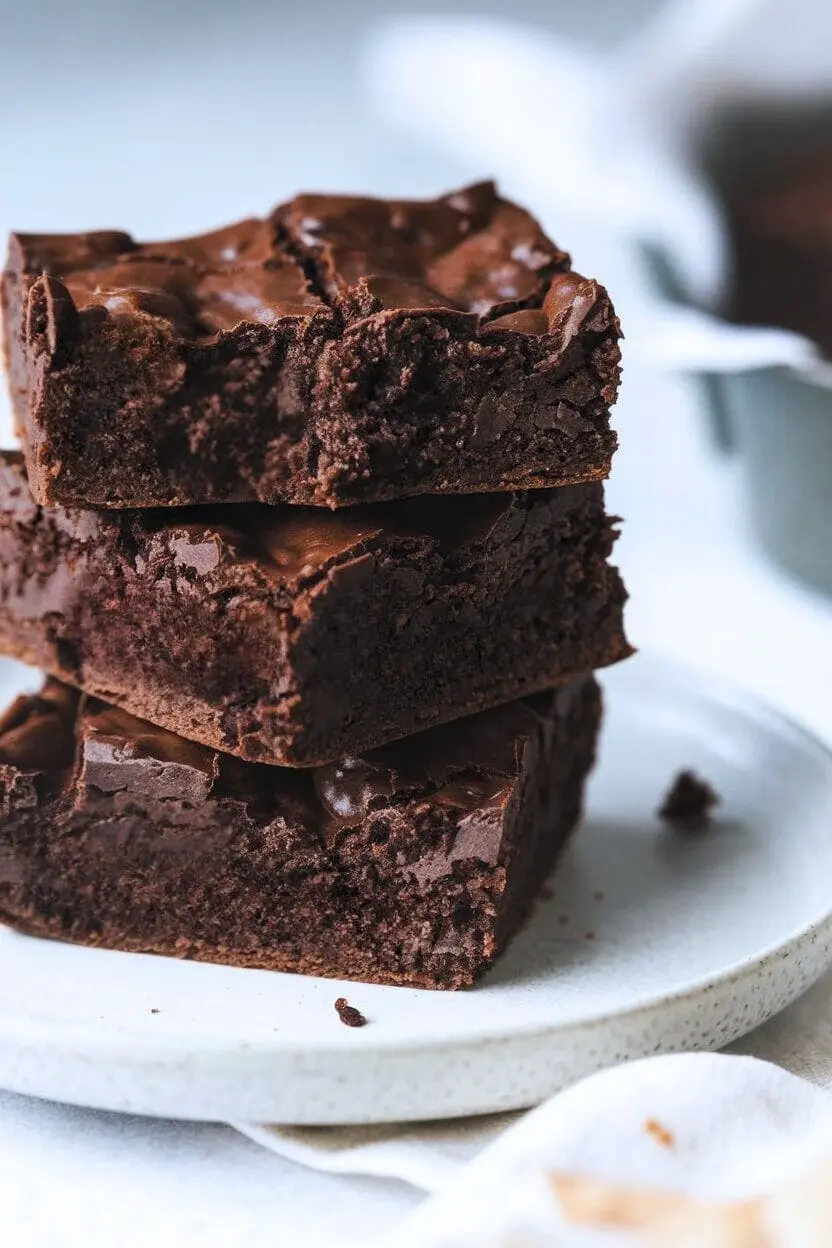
341	350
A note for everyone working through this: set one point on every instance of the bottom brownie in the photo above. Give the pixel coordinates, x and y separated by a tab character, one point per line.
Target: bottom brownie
414	864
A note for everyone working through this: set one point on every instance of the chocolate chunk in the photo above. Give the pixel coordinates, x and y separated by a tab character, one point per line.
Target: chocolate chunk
347	788
152	764
52	322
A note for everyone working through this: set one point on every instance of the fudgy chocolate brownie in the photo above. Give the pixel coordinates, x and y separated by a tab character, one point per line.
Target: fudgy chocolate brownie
413	864
343	350
295	635
781	225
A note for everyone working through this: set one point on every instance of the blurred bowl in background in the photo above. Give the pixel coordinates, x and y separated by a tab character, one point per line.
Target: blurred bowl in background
770	165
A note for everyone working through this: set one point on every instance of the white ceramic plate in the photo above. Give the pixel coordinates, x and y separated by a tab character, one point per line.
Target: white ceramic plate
651	942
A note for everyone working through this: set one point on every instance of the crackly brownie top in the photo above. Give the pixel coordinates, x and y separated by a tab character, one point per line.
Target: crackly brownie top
469	251
60	741
201	285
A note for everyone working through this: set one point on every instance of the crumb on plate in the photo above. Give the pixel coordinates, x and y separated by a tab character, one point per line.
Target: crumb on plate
348	1014
689	803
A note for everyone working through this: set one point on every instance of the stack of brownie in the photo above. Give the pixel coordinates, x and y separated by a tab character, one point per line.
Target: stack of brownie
309	534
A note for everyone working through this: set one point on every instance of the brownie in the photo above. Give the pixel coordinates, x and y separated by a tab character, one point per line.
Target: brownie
781	226
343	350
296	635
413	864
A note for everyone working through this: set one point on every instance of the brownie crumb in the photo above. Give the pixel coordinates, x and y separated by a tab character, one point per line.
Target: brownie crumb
689	803
598	895
154	1011
348	1014
659	1133
589	935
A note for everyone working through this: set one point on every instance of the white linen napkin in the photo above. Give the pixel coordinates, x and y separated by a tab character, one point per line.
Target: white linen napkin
711	1127
717	1127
